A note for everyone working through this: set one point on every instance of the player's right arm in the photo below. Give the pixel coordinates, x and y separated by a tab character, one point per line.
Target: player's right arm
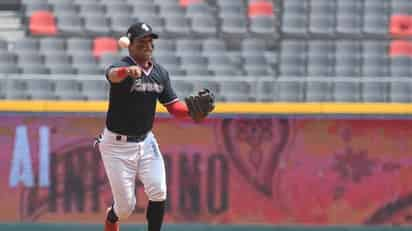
118	74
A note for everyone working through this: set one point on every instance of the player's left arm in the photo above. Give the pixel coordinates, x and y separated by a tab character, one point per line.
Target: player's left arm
178	109
196	106
170	100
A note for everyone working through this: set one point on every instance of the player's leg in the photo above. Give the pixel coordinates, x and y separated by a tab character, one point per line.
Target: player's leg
153	176
120	162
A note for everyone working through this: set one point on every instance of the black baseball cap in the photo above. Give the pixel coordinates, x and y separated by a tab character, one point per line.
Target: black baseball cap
139	30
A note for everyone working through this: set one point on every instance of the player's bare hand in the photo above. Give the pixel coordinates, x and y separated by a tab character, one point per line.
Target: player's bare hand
134	71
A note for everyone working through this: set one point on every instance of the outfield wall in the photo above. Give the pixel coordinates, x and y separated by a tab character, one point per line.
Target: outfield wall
265	167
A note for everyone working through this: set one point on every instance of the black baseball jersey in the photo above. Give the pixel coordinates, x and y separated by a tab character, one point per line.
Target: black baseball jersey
132	102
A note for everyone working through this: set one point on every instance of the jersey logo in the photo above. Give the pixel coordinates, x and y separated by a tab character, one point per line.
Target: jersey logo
140	86
145	27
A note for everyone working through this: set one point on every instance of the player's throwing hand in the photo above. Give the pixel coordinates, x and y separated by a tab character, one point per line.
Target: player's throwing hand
134	71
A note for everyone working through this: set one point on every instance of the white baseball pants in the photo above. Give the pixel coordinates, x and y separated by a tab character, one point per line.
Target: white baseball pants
123	161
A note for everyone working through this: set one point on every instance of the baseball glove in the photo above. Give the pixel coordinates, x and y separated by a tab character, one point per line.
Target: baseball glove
200	105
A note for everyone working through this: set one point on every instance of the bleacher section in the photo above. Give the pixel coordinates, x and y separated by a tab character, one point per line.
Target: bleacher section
245	50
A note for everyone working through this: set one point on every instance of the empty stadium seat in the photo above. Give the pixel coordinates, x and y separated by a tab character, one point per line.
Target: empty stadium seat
26	45
187	3
255	64
295	17
97	25
114	8
79	45
260	8
103	45
198	9
374	66
30	59
234	26
120	23
183	88
262	26
42	23
293	58
176	25
171	62
238	91
35	6
16	95
294	24
68	89
34	69
322	17
401	6
39	88
400	66
94	89
266	91
194	65
70	25
400	48
204	26
9	68
400	91
376	18
348	58
61	8
188	47
349	18
8	58
318	91
228	11
346	91
3	45
81	2
141	8
108	59
289	91
88	70
222	65
253	46
319	59
57	59
348	66
171	10
52	45
373	91
213	46
401	25
89	8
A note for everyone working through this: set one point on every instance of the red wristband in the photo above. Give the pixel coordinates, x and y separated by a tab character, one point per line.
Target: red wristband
122	72
178	109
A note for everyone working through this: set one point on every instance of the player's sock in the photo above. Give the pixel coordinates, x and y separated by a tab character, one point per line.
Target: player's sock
111	216
111	223
154	214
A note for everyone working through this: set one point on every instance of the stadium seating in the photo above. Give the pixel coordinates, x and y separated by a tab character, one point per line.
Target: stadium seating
246	50
42	23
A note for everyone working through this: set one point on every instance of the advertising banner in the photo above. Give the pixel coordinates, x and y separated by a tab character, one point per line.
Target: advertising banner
237	170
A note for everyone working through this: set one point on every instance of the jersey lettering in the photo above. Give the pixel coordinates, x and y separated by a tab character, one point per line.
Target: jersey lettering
139	86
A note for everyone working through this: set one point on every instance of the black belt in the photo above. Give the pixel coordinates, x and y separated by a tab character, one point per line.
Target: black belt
134	139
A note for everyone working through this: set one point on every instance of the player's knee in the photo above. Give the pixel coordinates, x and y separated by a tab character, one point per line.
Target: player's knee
157	192
125	211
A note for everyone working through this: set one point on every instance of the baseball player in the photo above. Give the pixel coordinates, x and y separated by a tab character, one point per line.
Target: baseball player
127	145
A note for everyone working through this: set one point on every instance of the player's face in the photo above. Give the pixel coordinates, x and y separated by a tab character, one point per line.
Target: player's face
142	49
